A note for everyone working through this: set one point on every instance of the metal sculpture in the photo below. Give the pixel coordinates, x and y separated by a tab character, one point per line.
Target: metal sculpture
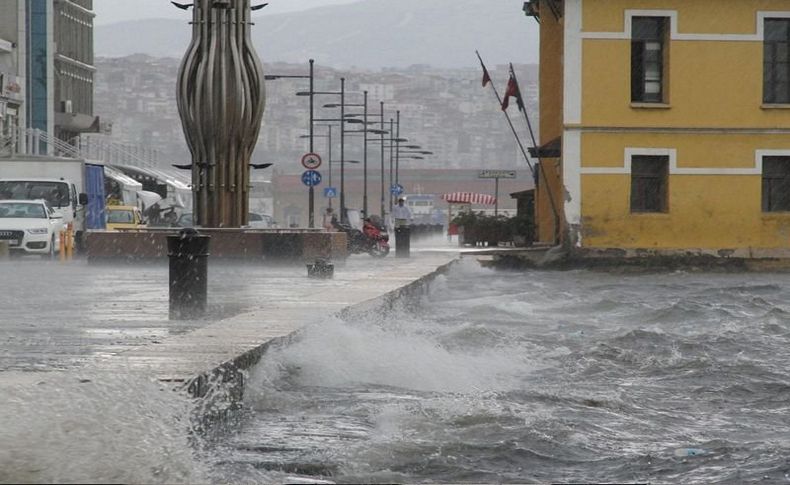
221	100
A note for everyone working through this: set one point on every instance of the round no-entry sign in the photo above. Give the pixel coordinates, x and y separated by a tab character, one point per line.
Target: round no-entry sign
311	161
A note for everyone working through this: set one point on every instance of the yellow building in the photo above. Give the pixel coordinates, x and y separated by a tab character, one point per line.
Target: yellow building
673	118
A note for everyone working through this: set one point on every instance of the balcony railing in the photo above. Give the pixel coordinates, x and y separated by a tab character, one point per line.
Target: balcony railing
39	143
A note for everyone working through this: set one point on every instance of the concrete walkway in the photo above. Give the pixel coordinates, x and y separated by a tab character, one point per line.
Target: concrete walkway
114	319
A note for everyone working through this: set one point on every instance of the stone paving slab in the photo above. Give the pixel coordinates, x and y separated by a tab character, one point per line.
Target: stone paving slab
183	357
77	316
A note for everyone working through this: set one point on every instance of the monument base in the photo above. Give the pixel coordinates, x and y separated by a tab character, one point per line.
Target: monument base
273	245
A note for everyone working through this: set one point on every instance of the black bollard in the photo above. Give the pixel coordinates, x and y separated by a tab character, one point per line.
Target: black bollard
188	252
402	242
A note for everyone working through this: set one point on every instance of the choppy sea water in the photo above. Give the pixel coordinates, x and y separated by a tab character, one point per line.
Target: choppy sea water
532	377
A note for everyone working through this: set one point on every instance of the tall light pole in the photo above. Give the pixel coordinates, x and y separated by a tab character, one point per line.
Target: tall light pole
392	176
349	118
329	159
397	148
381	132
382	159
365	159
311	94
342	121
328	136
343	215
311	197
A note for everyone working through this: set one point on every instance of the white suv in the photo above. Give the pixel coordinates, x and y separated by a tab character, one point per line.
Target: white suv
30	226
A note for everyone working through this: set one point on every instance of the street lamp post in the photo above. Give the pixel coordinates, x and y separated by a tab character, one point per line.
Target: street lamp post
392	176
413	152
343	215
342	121
381	132
311	94
382	159
311	217
345	118
365	160
397	149
329	161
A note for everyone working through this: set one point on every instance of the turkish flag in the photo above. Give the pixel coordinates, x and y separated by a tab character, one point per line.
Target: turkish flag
512	90
486	77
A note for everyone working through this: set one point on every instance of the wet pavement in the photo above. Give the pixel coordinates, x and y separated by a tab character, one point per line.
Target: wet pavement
59	316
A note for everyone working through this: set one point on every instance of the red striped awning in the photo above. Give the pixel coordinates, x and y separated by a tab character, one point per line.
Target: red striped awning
469	198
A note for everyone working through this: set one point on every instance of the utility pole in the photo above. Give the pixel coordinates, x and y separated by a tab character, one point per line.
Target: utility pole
311	93
382	160
343	215
312	137
329	161
365	159
392	156
397	149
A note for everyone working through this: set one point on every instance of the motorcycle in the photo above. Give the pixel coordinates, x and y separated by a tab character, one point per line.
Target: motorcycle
372	239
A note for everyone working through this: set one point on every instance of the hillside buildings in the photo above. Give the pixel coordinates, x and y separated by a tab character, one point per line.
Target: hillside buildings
444	110
665	124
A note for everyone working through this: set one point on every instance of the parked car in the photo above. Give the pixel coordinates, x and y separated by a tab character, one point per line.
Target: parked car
124	217
261	221
30	226
257	221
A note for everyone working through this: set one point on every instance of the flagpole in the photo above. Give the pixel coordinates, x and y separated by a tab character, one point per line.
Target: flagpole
540	160
521	146
507	116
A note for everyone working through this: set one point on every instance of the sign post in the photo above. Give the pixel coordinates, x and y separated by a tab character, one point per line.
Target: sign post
496	175
311	161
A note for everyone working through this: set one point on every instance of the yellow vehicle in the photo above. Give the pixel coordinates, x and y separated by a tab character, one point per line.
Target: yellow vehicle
124	217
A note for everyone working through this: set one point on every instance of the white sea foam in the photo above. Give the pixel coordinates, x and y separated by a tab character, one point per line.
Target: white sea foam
409	356
95	428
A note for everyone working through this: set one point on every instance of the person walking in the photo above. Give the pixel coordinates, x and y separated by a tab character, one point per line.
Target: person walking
329	220
401	214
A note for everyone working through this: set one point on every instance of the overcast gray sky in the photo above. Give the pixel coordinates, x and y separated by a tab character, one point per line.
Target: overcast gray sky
111	11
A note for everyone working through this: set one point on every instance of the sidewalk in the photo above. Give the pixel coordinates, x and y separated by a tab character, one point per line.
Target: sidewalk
78	316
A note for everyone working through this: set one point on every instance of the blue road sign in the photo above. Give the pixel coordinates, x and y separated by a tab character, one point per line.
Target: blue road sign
330	192
397	189
311	178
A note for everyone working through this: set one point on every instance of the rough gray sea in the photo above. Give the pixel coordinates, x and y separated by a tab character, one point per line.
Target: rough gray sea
491	377
533	377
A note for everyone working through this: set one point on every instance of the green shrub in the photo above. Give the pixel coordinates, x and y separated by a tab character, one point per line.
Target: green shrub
479	227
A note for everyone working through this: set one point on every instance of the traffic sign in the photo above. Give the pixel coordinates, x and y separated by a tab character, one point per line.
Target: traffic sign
311	178
311	161
397	189
497	174
330	192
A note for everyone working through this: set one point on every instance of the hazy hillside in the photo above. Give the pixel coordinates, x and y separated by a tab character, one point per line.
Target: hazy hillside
369	34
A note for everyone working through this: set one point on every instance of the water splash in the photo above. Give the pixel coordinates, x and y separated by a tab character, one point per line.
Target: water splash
95	428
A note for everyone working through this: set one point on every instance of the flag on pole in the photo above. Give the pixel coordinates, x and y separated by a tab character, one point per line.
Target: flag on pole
512	90
486	76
